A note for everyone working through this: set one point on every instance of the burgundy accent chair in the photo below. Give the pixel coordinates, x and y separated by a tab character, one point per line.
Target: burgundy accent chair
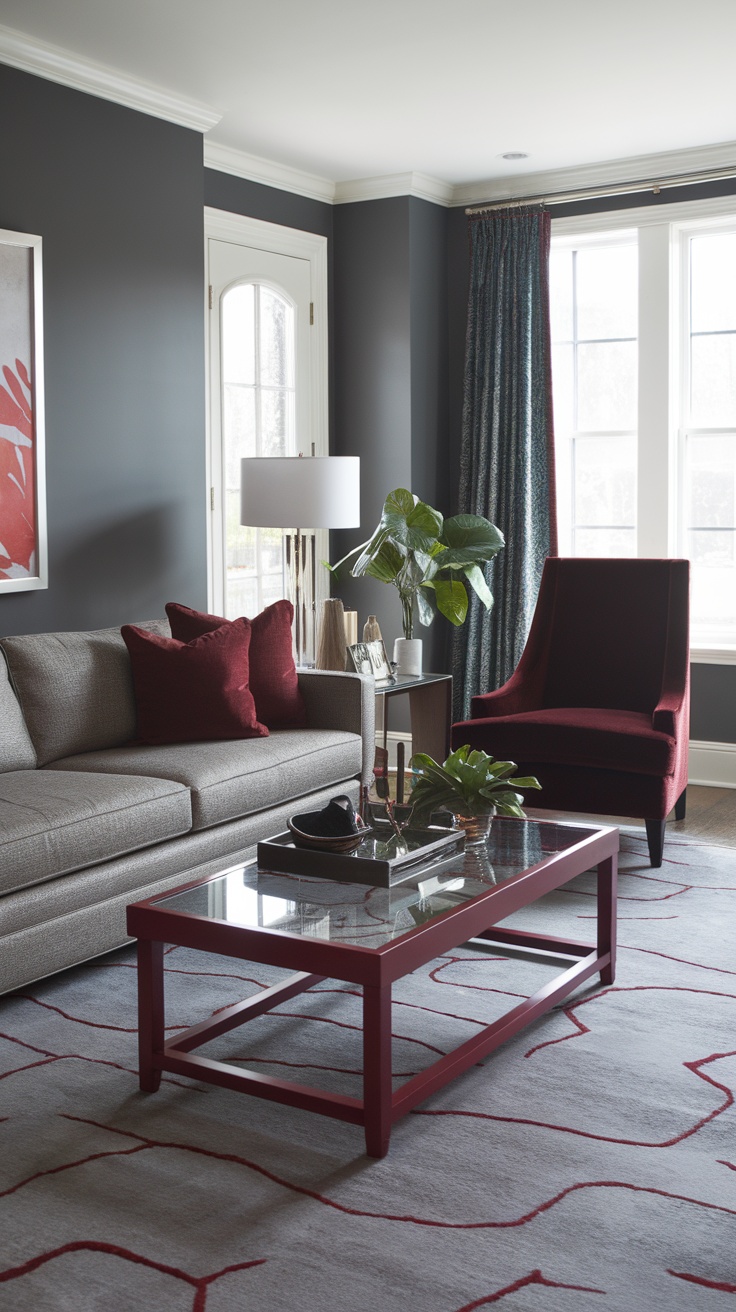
599	705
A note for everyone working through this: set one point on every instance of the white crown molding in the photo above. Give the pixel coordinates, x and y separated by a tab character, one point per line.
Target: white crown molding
57	65
633	169
394	184
712	764
226	159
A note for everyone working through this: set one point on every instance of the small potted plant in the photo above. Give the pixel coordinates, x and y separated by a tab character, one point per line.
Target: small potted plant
472	785
428	560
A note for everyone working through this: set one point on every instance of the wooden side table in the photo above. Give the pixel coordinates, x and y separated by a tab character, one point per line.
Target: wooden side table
430	708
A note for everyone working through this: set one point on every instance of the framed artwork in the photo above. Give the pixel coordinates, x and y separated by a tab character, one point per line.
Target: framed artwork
23	553
371	658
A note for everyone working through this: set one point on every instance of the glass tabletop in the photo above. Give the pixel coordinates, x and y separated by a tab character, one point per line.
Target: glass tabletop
371	917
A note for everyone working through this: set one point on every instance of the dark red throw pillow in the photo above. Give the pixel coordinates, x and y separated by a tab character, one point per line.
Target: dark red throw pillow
193	691
272	678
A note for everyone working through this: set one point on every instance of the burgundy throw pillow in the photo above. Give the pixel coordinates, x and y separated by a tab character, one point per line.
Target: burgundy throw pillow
193	691
272	678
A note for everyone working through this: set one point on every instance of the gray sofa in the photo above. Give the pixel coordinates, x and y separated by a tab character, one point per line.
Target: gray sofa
90	822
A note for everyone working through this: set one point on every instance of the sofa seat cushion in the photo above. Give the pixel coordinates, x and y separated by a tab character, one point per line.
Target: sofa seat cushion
238	778
600	739
53	822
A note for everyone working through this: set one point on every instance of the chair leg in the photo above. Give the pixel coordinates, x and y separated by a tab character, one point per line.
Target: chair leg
680	805
655	839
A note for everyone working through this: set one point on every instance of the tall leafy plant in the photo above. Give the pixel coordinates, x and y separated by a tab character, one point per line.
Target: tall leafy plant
428	559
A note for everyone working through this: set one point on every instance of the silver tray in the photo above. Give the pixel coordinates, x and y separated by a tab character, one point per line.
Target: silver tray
376	862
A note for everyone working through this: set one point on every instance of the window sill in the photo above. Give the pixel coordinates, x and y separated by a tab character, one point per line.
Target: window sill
713	655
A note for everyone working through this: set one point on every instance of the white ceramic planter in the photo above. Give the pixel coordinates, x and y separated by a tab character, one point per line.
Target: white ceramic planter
408	655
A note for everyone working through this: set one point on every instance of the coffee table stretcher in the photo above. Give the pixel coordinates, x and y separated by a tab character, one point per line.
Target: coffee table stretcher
380	1106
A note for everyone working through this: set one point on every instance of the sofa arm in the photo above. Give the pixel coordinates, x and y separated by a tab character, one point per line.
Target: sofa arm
343	701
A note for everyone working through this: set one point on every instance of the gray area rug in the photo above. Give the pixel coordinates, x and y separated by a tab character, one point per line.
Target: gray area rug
590	1163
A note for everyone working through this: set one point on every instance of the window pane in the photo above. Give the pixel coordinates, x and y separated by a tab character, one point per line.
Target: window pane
607	387
711	481
276	422
276	340
713	381
238	326
605	482
605	542
560	295
239	423
713	282
607	292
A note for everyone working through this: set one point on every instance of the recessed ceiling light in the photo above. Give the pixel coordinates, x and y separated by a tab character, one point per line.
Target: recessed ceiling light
514	154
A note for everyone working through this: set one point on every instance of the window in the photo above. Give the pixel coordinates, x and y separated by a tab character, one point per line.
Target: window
593	295
708	443
643	314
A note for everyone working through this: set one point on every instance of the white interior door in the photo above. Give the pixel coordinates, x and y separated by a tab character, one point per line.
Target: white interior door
262	376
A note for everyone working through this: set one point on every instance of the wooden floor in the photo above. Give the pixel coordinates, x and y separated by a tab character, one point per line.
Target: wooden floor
711	816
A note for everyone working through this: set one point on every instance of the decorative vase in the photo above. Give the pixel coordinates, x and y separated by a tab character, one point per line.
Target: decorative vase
477	827
408	656
332	648
477	865
372	630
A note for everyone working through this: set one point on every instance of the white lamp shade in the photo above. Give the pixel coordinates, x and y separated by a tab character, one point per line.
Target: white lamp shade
300	492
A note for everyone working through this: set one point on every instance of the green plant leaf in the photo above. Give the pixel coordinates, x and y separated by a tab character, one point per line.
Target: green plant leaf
477	580
399	502
452	599
426	519
461	557
472	531
426	613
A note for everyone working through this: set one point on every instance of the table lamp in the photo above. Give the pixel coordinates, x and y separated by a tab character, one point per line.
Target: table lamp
310	492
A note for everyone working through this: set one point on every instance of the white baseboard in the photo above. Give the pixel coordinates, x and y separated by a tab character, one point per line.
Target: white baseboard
712	764
392	738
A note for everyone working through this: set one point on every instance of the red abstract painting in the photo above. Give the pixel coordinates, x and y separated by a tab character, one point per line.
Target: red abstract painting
17	473
22	446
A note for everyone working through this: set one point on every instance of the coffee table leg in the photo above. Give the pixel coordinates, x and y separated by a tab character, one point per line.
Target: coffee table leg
607	886
377	1088
150	1012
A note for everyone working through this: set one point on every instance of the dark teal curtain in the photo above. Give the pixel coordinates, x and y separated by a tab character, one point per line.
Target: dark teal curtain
507	452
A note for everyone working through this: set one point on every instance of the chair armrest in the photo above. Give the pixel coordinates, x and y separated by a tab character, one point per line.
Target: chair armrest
343	701
514	697
670	713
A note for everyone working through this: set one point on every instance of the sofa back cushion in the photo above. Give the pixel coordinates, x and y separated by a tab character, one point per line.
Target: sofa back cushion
16	748
194	691
271	674
75	689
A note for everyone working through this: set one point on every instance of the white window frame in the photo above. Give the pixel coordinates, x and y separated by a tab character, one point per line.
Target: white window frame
221	225
663	232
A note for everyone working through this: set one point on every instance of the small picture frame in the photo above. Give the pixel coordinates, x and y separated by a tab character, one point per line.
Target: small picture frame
370	658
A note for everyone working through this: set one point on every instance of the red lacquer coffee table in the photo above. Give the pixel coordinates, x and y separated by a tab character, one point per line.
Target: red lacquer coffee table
325	929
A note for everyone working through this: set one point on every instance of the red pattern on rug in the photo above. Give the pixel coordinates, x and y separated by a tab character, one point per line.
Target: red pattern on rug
542	1164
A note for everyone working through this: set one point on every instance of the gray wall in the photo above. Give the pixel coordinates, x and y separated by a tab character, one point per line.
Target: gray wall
117	198
713	696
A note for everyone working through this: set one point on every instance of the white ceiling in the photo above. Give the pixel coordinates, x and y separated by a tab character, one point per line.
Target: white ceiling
347	90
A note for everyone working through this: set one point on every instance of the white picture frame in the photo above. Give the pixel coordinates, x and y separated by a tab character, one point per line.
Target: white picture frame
23	537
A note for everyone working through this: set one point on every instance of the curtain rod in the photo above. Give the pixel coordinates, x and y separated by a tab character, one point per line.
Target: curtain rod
654	185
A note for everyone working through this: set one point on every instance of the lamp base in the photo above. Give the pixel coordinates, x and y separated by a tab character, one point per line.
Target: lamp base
300	568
